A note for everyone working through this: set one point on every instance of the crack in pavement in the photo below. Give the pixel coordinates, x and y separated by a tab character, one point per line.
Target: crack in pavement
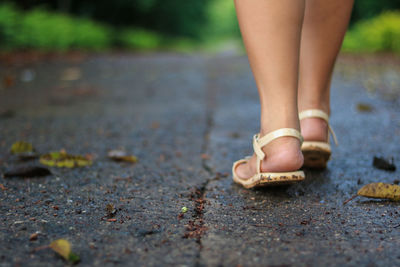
196	228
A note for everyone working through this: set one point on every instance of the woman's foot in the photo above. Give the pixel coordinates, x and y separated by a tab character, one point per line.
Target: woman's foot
282	155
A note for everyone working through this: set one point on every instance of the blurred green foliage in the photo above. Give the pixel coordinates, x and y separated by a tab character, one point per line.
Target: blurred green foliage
154	24
366	9
221	20
138	39
171	17
39	28
379	34
44	30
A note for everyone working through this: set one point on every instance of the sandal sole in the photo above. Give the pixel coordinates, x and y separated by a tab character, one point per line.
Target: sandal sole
271	179
316	154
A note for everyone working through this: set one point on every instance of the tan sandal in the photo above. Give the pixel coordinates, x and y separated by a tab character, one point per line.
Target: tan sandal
316	153
268	178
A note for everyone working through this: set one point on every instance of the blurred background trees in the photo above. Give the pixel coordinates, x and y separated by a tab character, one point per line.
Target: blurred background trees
160	24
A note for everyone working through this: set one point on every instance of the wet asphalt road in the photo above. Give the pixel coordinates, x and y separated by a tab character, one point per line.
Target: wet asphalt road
187	118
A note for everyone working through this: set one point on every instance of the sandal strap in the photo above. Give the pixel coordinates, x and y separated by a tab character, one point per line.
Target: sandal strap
314	113
317	113
259	142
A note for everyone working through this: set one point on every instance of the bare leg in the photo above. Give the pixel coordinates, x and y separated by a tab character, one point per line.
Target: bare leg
324	26
271	32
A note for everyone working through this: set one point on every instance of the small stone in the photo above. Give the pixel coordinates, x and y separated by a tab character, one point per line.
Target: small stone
384	164
34	236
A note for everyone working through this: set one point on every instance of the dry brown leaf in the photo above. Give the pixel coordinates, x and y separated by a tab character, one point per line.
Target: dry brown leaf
364	107
380	190
120	155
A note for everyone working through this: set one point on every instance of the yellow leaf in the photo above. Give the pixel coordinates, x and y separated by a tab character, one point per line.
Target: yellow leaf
380	190
63	160
21	147
62	247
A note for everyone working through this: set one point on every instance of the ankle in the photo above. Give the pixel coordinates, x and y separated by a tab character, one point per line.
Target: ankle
314	129
272	124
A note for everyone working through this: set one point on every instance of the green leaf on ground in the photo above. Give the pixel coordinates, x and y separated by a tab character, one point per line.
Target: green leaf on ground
380	190
63	160
23	149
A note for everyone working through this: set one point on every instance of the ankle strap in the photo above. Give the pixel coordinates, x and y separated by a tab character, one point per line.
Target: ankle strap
259	142
317	113
314	113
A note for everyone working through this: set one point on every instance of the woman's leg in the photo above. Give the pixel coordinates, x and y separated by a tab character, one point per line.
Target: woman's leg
324	26
271	32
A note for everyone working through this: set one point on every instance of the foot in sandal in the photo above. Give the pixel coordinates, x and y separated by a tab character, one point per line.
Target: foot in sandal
315	129
277	160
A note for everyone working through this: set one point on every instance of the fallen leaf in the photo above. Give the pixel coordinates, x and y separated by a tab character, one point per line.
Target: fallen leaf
184	209
363	107
380	190
63	248
384	164
30	171
22	147
2	187
23	150
120	155
62	159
